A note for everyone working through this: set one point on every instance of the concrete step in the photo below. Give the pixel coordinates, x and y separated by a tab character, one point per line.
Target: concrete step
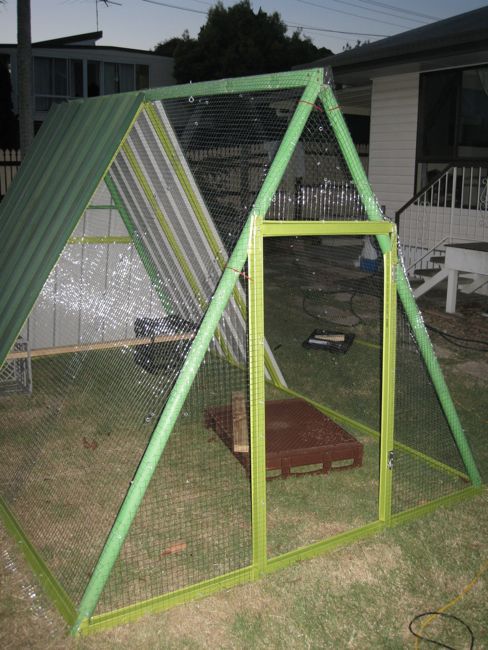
438	259
430	281
426	273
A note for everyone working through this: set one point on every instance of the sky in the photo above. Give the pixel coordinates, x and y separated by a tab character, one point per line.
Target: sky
141	24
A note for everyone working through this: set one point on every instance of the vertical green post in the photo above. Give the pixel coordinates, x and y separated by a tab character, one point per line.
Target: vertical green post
404	292
257	398
188	372
390	265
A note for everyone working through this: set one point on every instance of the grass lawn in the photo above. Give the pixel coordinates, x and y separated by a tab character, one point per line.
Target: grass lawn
362	596
74	445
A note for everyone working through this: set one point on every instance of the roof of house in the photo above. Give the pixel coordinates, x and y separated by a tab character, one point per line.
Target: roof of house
454	39
85	41
77	39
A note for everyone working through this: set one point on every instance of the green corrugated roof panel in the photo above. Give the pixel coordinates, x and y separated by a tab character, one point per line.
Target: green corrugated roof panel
69	157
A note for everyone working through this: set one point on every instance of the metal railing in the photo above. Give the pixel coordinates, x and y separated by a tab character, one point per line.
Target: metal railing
452	207
9	163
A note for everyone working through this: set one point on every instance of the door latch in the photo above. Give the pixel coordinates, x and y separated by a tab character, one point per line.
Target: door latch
391	459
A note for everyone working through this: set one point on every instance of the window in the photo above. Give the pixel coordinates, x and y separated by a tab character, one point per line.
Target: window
56	80
118	78
142	76
76	78
473	127
453	115
93	71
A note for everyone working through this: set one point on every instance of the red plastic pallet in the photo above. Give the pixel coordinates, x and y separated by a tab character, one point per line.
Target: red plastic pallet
297	436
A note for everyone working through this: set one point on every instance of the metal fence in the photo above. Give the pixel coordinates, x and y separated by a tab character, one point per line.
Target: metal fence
9	164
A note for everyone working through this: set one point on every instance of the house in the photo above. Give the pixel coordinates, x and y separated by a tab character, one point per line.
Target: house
75	66
426	92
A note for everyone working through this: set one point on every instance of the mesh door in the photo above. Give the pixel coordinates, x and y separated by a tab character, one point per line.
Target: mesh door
323	321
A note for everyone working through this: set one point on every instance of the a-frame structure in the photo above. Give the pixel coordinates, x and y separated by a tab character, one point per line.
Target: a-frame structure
137	234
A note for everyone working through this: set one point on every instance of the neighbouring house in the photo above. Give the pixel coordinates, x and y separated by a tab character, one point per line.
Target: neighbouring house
75	66
426	92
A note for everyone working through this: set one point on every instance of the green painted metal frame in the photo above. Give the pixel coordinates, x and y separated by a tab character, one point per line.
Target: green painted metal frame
250	246
265	82
257	397
388	374
261	563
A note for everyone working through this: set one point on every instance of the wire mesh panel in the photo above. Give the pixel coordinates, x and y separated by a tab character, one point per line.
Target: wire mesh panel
74	443
317	184
428	463
323	320
117	334
194	522
229	143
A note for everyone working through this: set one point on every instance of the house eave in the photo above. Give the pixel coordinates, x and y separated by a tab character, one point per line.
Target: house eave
452	57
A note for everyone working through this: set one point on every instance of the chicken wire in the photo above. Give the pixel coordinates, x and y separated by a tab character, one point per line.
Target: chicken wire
194	522
113	325
328	299
118	318
318	185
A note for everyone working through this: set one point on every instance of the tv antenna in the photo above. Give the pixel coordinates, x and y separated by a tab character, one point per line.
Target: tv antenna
107	3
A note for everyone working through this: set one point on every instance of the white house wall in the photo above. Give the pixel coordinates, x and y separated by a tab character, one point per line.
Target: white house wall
393	139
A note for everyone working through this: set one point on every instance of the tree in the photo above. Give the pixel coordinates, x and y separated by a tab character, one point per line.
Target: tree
168	47
358	43
235	42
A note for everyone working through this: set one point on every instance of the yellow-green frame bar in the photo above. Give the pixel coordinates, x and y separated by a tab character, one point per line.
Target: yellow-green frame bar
333	228
49	583
317	228
388	373
257	398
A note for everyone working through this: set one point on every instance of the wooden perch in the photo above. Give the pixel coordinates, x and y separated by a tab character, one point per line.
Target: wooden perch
240	432
102	345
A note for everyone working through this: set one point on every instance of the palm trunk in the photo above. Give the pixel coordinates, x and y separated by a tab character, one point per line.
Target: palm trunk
24	75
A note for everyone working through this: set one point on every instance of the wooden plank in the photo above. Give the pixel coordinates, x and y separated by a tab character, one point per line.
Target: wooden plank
103	345
240	434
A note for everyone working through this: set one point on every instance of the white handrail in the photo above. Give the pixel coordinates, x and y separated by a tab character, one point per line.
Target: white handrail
452	208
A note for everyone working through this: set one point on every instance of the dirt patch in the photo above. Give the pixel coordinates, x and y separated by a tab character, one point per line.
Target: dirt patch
444	352
477	369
